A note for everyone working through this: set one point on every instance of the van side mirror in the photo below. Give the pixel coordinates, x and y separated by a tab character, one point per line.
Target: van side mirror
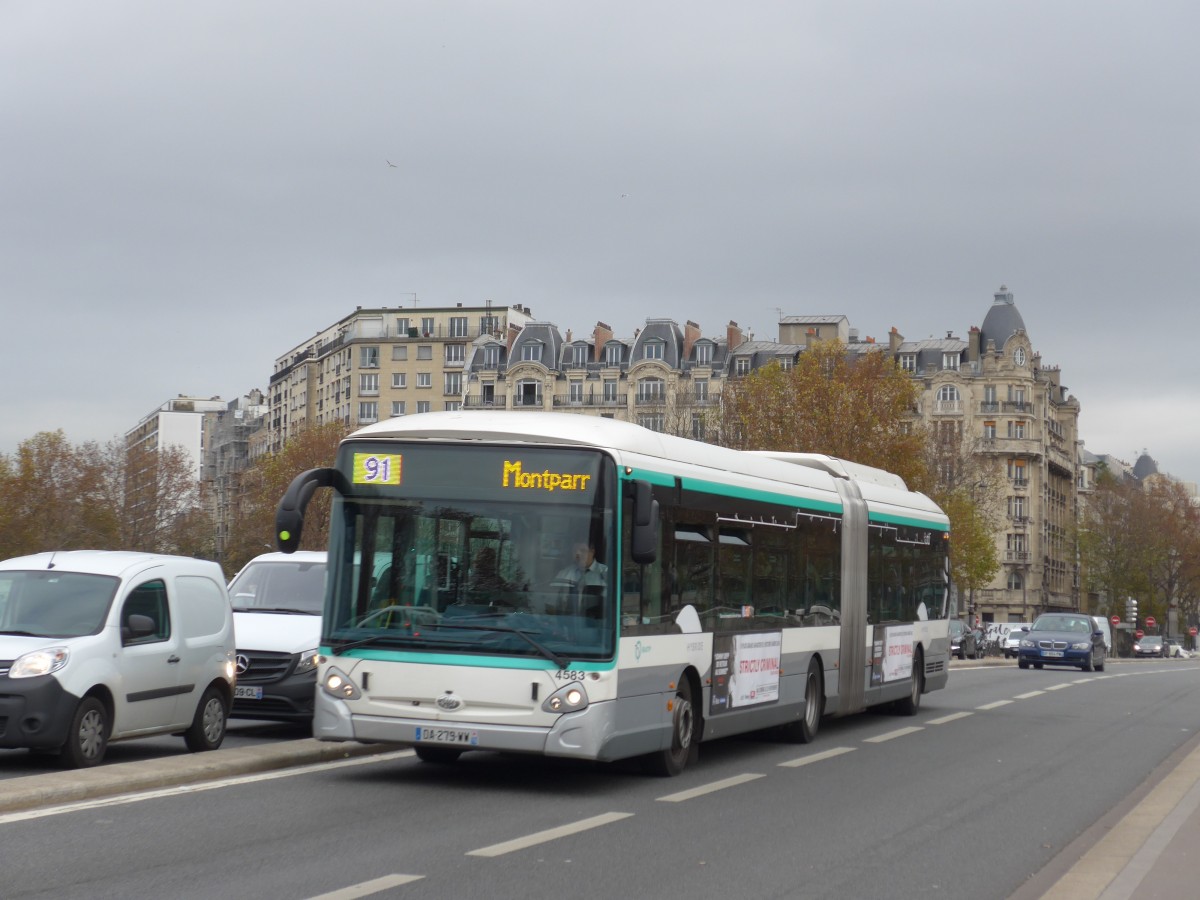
646	527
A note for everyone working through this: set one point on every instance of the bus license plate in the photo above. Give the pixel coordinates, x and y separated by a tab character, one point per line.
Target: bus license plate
247	693
1055	653
447	736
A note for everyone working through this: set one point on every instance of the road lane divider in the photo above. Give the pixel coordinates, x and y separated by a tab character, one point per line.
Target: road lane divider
550	834
709	788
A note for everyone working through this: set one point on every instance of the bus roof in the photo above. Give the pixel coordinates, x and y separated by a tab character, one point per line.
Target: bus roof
635	445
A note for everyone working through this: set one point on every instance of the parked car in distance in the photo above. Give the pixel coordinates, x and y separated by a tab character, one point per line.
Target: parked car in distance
1174	649
101	645
277	601
964	643
1150	645
1062	639
1012	642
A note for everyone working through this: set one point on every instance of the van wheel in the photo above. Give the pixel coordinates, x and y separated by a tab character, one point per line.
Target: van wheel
87	738
684	742
803	730
208	727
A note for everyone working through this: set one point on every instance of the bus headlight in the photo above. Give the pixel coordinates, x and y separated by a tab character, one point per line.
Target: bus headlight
338	684
571	698
39	662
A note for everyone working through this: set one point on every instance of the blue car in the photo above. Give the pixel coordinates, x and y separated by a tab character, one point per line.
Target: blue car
1063	639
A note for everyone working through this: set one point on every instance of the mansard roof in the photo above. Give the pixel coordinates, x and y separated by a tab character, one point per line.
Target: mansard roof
1002	321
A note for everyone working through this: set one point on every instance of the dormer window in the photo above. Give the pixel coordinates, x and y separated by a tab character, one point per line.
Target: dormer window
1019	356
908	362
653	350
579	354
612	354
704	354
950	361
531	352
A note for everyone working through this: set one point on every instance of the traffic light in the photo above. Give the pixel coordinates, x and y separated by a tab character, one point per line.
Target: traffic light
1131	610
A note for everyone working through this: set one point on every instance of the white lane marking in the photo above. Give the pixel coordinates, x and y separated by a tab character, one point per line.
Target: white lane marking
1059	687
950	718
817	757
119	799
549	834
710	788
367	888
994	704
899	732
1028	695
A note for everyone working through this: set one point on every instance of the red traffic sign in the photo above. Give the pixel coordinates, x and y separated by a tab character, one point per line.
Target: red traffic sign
1139	634
1116	620
1150	622
1192	631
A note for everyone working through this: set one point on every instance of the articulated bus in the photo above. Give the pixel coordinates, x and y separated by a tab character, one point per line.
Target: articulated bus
557	584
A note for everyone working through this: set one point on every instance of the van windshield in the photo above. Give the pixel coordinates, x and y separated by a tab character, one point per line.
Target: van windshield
282	586
49	603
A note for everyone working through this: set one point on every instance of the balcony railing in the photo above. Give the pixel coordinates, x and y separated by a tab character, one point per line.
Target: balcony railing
495	402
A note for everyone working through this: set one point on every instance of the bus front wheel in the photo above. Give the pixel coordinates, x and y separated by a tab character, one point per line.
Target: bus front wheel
684	742
916	687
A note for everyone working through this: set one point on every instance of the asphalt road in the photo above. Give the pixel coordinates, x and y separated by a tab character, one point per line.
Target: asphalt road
986	792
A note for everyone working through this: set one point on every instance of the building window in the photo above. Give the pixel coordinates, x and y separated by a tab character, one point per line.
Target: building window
575	392
908	362
399	352
368	383
947	393
741	365
950	361
579	355
491	356
701	386
425	351
610	390
531	352
456	353
399	380
1016	430
704	354
368	357
653	350
453	405
1016	507
402	326
368	411
458	326
397	408
488	324
1016	471
1015	581
424	380
452	384
1016	543
612	354
427	327
529	393
423	406
697	427
653	422
989	431
650	390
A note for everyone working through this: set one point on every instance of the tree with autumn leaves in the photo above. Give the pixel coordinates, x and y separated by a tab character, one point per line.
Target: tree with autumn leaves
859	407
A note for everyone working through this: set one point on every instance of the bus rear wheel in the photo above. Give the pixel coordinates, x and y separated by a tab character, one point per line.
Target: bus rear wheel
684	730
912	703
804	729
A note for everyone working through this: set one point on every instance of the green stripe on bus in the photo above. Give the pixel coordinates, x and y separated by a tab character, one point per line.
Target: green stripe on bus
454	659
909	521
741	493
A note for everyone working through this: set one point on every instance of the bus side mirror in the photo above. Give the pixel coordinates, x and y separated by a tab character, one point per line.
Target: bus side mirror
644	535
289	516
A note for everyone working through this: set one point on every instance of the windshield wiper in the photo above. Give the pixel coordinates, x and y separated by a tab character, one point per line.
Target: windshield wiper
524	635
276	609
362	642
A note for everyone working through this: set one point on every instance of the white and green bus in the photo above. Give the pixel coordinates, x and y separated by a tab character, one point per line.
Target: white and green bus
724	592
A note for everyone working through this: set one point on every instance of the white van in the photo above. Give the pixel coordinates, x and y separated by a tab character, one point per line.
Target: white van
101	645
1102	624
277	600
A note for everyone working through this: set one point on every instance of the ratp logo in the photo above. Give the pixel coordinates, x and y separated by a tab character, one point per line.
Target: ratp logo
639	648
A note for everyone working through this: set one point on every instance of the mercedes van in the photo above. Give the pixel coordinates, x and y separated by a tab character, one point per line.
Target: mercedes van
102	645
277	600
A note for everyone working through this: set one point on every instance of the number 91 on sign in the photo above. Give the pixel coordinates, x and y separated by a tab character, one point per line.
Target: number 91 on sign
377	468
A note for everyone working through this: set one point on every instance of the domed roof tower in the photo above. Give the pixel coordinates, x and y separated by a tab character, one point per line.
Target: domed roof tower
1002	320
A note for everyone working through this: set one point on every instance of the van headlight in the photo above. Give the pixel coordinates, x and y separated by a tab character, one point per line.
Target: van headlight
308	661
39	662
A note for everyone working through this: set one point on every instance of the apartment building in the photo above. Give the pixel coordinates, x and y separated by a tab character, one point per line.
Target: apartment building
379	363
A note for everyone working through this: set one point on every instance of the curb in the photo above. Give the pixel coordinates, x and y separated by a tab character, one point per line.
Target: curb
106	780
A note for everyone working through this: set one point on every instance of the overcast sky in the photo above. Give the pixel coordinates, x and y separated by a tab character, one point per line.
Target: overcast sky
188	190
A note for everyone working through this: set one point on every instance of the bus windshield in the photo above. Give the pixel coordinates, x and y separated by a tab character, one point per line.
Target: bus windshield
474	550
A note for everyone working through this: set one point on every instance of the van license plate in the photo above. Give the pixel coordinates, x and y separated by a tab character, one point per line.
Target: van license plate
447	736
247	693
